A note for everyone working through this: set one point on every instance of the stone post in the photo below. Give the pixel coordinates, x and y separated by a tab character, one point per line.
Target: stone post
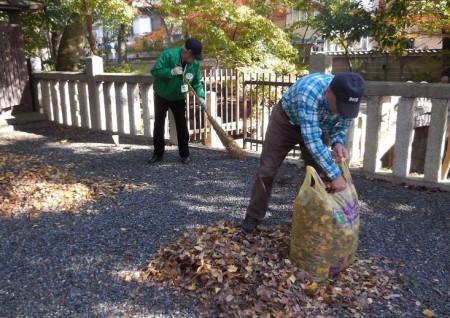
211	138
320	62
36	92
94	66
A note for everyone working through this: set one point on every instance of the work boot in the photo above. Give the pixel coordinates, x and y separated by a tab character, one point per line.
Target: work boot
185	159
154	159
249	223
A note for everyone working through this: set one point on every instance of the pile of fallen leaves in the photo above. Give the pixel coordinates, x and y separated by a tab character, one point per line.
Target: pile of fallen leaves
29	186
242	275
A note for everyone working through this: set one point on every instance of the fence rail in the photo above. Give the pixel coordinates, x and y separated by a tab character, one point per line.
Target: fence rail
241	102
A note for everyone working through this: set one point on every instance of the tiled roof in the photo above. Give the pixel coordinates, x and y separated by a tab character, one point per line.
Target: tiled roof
365	52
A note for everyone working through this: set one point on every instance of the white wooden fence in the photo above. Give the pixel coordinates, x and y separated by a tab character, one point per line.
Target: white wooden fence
123	104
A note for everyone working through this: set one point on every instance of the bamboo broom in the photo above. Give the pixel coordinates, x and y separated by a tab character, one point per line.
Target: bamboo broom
234	151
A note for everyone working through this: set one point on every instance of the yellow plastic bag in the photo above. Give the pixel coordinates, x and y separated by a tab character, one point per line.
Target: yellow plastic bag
325	226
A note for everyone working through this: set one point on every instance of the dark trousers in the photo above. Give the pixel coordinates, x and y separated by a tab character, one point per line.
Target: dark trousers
178	108
281	137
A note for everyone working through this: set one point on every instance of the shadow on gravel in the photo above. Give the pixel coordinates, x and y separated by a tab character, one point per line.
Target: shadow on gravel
66	265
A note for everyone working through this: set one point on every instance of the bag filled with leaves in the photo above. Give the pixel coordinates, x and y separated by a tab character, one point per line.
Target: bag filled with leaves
325	226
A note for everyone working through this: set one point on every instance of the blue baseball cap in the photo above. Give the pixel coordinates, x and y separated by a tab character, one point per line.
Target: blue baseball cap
348	88
194	47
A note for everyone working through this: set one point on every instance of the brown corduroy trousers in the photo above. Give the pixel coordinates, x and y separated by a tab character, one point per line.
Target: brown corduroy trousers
281	137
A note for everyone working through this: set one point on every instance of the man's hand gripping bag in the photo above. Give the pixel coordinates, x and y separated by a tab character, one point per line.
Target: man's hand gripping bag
325	226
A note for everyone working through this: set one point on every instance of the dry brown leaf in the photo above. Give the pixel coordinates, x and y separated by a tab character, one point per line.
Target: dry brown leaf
31	187
253	276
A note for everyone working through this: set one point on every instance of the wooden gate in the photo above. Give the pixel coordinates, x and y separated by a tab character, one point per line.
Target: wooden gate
15	91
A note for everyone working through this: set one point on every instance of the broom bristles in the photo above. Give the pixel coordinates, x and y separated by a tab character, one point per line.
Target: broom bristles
230	144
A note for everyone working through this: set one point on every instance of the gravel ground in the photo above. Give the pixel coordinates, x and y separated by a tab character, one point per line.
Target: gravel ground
67	265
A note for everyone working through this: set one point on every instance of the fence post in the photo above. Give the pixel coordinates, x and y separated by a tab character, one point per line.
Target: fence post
356	139
94	66
211	139
148	110
404	137
173	138
371	148
36	66
436	140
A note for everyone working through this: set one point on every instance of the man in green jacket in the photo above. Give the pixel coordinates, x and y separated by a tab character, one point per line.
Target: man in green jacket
171	69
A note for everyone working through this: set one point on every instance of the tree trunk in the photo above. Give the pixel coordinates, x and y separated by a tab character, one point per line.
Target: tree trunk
347	55
446	42
91	38
70	47
122	43
169	34
55	39
446	37
446	51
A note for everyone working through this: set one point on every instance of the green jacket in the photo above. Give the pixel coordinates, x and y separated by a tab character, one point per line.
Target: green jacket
168	86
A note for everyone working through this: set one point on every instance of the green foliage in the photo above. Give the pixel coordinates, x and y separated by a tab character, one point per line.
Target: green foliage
125	67
141	67
344	22
340	21
239	35
433	16
401	21
429	68
43	28
3	17
308	8
153	41
107	10
135	67
445	57
359	65
301	31
235	35
391	27
263	8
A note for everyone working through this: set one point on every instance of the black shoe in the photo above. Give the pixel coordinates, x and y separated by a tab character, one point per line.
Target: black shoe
185	159
154	159
249	224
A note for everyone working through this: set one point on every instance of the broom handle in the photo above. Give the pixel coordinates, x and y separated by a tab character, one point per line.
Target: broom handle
221	133
195	93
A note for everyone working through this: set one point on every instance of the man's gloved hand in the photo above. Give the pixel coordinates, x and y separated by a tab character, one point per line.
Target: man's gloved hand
177	70
202	102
